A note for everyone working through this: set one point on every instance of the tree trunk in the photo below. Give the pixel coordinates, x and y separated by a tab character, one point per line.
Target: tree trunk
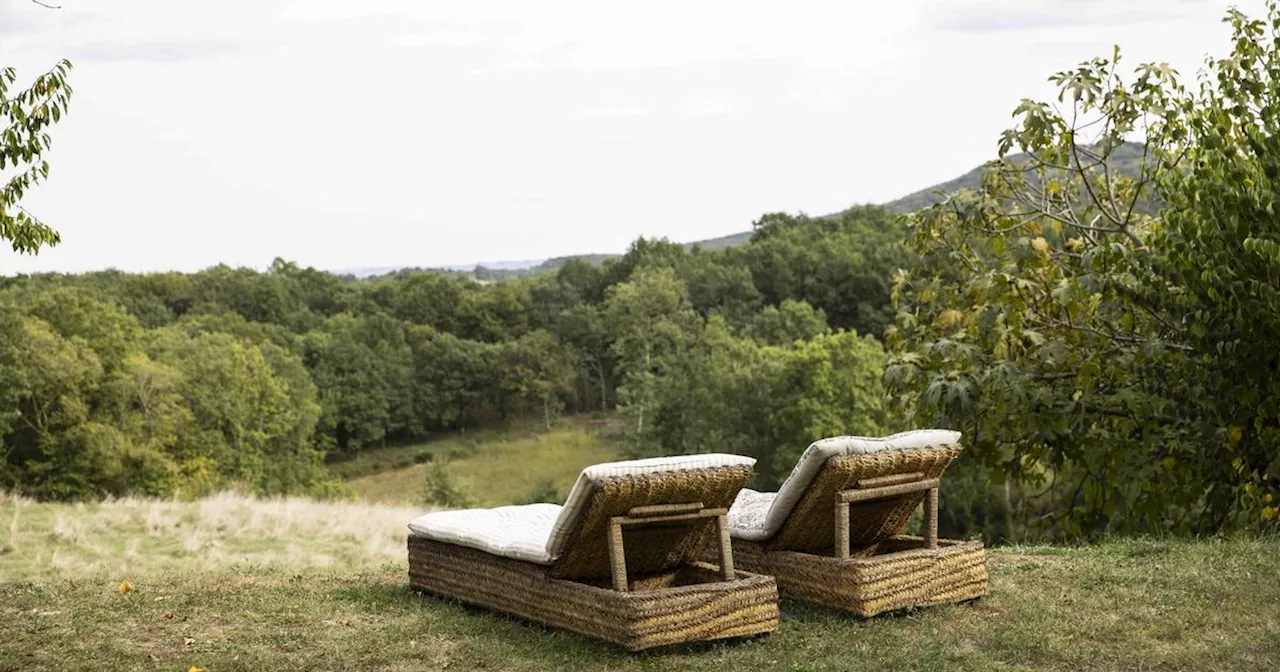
604	394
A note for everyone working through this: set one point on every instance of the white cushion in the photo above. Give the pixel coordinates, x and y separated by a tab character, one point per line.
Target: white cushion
518	532
575	505
749	511
758	516
538	532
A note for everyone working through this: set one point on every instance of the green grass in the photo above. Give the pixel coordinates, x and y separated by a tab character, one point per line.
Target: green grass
491	467
1120	605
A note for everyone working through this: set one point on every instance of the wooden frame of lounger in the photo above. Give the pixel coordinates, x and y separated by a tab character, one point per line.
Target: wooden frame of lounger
650	592
841	546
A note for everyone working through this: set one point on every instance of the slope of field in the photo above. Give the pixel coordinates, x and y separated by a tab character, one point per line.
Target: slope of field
73	542
1120	605
490	467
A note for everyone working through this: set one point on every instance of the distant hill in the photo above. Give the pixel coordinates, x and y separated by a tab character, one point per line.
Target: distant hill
1124	159
712	244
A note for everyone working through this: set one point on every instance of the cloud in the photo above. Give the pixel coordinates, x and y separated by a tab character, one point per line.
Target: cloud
708	106
156	51
453	38
22	20
619	111
995	17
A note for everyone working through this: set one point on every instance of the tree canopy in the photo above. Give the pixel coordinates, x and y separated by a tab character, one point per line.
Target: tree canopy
1109	338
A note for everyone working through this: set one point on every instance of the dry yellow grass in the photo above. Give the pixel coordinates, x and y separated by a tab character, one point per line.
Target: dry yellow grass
130	536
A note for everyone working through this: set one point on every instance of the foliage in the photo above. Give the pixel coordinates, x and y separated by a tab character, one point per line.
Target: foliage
25	115
1113	354
692	386
841	265
440	487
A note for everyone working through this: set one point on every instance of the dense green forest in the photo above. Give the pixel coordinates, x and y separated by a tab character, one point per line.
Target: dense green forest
186	383
1099	318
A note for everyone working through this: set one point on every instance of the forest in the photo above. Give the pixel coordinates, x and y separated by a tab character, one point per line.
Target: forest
184	384
1098	313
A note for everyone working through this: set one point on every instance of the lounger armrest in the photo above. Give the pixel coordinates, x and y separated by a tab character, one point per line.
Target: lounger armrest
885	488
663	509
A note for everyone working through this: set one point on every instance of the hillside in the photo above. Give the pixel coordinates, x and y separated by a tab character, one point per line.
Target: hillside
230	583
487	467
1125	160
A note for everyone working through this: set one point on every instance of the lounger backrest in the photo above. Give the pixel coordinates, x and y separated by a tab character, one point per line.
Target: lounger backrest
579	540
803	514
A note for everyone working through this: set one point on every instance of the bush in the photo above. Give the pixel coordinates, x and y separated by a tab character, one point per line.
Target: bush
440	488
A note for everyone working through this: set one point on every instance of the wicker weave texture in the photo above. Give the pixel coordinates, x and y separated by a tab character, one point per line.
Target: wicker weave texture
809	527
650	549
912	577
655	612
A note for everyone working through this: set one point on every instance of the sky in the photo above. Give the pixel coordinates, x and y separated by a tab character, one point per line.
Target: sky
380	133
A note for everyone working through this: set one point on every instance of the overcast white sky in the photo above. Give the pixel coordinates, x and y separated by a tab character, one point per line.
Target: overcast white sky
354	133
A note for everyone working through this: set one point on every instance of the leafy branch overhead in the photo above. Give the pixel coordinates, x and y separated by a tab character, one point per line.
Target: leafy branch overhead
1100	316
25	115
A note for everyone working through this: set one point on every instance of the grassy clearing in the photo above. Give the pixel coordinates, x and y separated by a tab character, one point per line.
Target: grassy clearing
1121	605
126	537
523	464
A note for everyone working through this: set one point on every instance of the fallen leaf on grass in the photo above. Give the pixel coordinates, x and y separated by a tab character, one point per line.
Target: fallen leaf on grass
125	587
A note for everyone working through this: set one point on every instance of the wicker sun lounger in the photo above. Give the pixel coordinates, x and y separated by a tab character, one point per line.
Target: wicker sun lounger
831	534
619	561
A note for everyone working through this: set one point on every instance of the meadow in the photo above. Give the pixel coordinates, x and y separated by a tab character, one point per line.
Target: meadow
236	583
521	463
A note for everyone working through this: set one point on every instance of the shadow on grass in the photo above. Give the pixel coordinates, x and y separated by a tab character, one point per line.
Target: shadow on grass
807	614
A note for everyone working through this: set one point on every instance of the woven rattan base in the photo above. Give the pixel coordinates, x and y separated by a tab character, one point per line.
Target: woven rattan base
901	573
688	605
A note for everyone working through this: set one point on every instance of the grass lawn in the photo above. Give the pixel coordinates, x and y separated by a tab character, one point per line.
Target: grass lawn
522	464
1121	605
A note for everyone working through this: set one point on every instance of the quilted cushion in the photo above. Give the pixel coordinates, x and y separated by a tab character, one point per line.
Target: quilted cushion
749	511
757	516
538	532
519	532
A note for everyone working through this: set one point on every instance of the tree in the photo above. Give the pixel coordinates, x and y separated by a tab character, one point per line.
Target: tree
254	410
788	322
769	402
648	317
363	368
25	114
535	372
842	265
1106	337
582	328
